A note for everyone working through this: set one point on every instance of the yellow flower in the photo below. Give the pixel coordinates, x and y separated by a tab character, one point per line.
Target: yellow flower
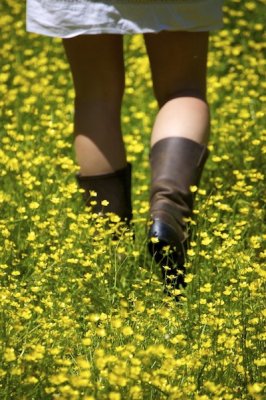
114	396
255	388
193	189
104	203
78	381
206	241
55	200
16	371
86	341
31	380
116	322
206	288
31	236
260	362
127	331
250	5
9	354
57	379
34	205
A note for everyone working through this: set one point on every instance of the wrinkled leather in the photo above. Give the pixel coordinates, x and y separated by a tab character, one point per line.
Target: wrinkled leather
114	187
176	164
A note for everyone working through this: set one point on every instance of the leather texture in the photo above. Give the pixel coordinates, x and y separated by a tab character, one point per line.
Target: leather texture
114	187
176	164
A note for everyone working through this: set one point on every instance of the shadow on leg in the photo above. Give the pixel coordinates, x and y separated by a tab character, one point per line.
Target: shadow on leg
97	67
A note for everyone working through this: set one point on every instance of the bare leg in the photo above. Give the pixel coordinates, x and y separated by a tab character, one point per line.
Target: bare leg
178	64
97	67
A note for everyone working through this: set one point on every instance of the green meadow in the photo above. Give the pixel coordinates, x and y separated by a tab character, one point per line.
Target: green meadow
86	317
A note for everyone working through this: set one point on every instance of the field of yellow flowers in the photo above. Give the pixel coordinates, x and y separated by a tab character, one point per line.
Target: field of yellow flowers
85	317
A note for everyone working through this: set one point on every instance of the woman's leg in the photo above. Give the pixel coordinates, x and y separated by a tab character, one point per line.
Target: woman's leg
178	63
97	67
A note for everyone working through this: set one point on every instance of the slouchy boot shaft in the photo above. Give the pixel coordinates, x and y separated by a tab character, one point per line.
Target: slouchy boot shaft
177	164
114	187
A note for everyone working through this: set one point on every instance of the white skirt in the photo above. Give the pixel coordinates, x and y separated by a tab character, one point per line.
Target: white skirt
68	18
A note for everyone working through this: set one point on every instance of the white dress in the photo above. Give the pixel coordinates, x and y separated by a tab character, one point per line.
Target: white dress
68	18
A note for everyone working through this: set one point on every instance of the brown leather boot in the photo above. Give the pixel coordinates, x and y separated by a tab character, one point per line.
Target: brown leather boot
114	187
176	164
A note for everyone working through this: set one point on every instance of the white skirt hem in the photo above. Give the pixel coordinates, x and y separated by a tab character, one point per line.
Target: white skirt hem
68	19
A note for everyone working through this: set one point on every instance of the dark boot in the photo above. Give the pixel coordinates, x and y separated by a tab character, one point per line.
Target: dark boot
114	187
176	164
